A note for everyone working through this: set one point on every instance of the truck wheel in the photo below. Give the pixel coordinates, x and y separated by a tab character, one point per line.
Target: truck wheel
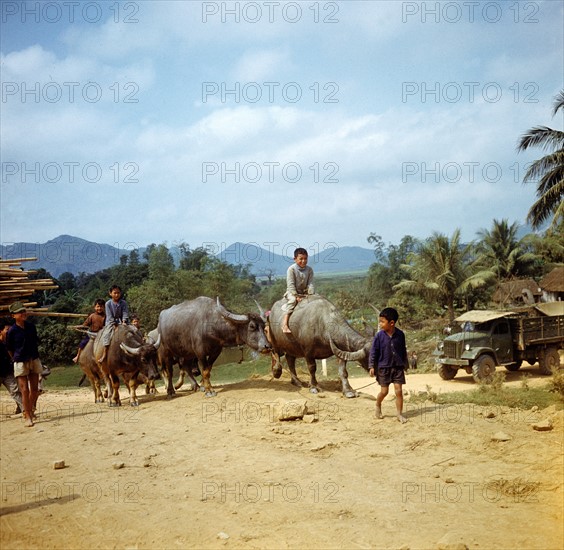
549	360
446	372
514	366
483	369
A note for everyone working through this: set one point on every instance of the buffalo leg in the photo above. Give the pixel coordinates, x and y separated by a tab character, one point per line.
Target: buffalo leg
180	382
133	383
292	368
344	375
205	368
115	400
169	385
311	365
190	369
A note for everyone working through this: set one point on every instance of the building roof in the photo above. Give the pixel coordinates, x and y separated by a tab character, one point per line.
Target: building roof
553	281
513	290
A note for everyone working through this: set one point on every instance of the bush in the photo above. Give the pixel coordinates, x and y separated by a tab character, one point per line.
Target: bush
57	344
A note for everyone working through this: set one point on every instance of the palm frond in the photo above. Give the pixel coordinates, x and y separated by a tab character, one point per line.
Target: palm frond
558	102
541	136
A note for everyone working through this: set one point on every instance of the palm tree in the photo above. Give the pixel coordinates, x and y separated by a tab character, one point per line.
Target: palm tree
500	251
550	170
443	269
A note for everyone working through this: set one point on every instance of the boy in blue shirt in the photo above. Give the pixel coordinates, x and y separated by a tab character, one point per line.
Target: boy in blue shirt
388	359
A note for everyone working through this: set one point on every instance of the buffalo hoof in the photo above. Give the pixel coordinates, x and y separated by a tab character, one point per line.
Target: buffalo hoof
112	404
202	388
195	387
313	390
211	394
134	403
277	373
350	394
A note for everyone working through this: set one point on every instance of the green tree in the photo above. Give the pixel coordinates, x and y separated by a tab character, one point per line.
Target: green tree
500	251
388	270
192	259
548	247
442	270
548	170
161	264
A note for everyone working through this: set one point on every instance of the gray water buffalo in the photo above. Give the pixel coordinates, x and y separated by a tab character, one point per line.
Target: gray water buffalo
319	331
200	329
127	355
189	367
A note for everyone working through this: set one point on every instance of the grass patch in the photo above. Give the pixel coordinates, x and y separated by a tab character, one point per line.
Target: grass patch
516	398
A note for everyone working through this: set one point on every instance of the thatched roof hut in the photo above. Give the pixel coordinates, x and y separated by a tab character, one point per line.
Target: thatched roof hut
517	292
552	284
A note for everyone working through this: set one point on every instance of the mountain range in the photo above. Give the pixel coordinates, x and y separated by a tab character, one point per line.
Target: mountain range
66	253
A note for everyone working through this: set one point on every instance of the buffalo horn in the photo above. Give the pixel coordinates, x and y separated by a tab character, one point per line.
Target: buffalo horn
375	309
235	317
129	350
158	342
261	311
347	355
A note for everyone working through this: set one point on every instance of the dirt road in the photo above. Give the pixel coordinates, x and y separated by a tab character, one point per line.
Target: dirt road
224	472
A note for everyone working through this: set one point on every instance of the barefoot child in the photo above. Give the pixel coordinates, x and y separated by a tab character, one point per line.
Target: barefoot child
94	322
388	357
299	283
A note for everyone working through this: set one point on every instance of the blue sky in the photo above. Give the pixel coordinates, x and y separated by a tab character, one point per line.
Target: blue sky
315	123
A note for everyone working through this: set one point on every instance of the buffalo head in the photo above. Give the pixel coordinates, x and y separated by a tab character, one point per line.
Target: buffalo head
361	355
254	335
146	356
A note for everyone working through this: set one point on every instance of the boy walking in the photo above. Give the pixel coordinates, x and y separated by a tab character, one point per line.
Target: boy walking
299	283
22	343
388	359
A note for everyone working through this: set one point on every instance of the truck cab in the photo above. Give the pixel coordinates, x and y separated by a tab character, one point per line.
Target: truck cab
484	341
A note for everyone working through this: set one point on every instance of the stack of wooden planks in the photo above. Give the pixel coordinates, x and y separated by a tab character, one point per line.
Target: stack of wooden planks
16	286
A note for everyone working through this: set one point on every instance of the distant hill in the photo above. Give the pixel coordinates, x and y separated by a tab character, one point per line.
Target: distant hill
66	253
331	260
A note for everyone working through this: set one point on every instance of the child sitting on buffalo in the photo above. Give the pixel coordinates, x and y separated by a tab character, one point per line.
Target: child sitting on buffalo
117	312
299	283
94	323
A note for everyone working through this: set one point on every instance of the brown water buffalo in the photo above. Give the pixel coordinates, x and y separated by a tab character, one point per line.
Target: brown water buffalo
92	370
200	329
319	331
127	355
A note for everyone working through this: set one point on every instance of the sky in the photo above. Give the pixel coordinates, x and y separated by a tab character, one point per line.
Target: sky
275	123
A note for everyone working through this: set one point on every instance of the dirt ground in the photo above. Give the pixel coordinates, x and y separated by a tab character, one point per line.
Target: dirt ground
224	472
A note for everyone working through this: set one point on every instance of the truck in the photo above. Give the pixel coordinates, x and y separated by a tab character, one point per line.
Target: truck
488	339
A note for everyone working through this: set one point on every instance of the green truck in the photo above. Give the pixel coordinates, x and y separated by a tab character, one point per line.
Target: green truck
488	339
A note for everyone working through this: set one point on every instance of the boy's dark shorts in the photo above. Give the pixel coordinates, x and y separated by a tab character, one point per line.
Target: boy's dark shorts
390	375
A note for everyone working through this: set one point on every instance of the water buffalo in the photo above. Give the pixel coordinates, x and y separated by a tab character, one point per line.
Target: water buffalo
127	355
189	368
200	329
92	370
319	330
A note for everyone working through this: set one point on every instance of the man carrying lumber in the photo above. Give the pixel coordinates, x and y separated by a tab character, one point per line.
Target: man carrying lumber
22	344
